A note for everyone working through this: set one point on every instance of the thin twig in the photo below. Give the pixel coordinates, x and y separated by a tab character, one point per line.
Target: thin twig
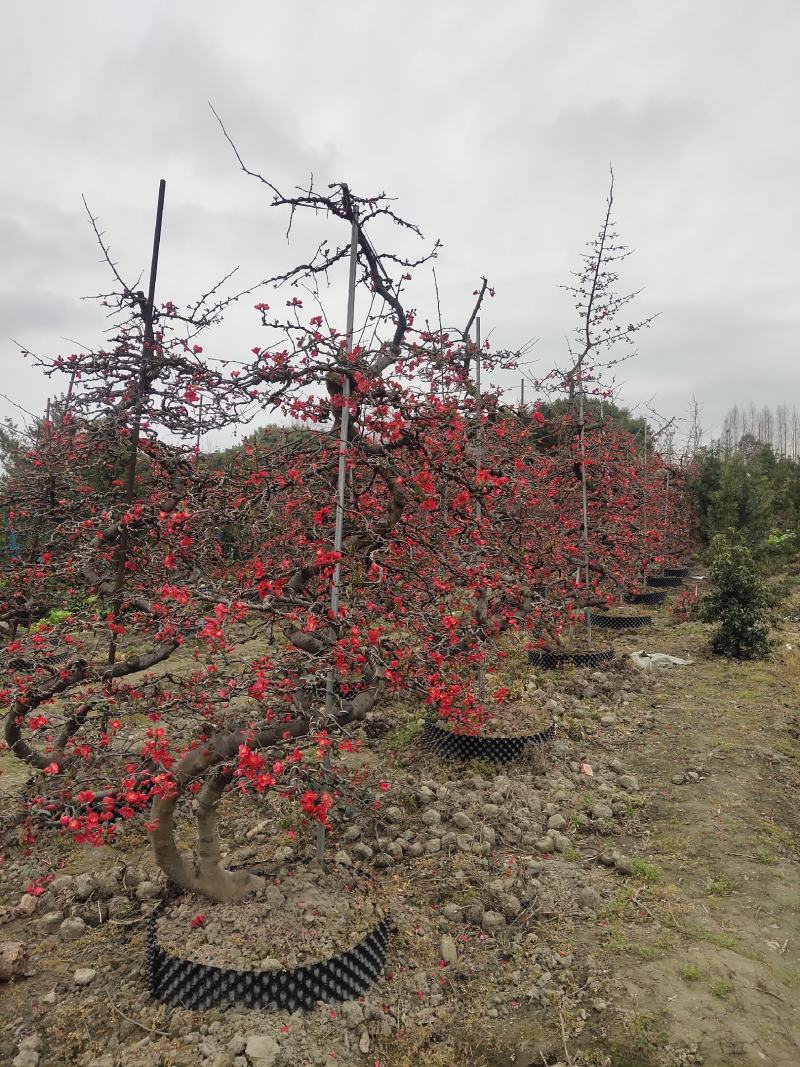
570	1061
766	992
147	1029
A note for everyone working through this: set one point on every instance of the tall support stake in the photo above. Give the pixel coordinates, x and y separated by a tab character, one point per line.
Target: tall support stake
478	461
644	510
478	441
587	611
147	312
344	431
199	432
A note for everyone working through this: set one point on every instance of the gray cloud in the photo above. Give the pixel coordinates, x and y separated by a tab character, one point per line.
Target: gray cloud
495	127
48	311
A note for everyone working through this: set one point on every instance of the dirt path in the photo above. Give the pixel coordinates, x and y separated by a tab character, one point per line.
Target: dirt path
700	942
708	943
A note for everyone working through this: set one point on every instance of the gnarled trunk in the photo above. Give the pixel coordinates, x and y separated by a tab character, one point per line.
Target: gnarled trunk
202	872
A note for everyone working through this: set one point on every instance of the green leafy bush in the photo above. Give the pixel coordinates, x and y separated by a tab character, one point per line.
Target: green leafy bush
738	601
52	618
782	543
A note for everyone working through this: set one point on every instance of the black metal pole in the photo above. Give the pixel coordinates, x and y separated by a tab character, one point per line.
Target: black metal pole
142	386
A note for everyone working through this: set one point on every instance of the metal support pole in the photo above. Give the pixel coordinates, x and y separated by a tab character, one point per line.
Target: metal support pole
478	392
644	509
478	460
199	432
587	611
147	311
344	429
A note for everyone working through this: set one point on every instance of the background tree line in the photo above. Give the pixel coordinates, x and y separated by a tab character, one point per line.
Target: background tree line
748	480
752	426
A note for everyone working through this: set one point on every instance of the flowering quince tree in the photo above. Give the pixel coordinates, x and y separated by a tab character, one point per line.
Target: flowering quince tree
485	556
115	521
143	554
512	565
626	511
542	512
600	490
460	593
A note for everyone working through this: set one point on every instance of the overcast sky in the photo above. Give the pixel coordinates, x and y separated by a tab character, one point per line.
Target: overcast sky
493	124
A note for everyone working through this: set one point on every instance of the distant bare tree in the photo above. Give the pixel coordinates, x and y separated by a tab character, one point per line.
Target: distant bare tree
765	427
751	421
782	429
778	428
694	436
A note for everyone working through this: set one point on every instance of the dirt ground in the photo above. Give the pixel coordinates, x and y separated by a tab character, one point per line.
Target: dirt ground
708	949
648	916
704	951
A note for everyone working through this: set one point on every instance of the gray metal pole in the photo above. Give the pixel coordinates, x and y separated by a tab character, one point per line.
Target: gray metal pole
587	611
478	460
644	510
478	392
199	431
147	312
344	428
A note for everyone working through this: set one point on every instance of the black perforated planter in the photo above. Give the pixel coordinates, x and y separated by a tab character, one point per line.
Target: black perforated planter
622	622
664	581
555	661
49	659
475	746
181	983
676	572
658	596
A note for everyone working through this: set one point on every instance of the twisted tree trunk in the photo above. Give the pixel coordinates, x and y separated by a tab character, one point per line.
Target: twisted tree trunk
202	872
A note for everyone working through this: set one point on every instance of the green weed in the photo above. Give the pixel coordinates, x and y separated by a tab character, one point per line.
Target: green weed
648	872
719	887
722	988
403	735
763	855
647	1032
714	938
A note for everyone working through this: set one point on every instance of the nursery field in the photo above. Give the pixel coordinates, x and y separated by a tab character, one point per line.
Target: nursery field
400	540
625	895
390	734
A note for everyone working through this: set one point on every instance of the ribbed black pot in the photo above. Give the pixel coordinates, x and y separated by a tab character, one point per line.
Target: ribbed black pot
677	572
664	581
181	983
553	661
476	746
658	596
48	659
621	622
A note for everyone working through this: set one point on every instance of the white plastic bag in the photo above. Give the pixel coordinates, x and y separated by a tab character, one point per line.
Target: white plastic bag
658	659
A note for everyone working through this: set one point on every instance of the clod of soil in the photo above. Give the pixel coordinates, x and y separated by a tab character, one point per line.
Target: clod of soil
305	917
